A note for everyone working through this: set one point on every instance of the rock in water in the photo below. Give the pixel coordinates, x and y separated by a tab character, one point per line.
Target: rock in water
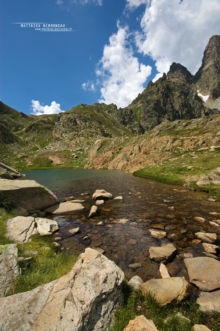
93	211
9	269
162	252
165	290
204	272
101	194
27	194
141	323
84	299
205	236
65	208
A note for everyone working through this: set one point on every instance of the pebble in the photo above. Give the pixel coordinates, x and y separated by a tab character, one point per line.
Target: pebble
74	230
134	265
199	219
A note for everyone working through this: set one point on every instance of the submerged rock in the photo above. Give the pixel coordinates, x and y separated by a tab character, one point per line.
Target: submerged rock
74	230
157	234
99	202
204	272
162	252
141	323
9	269
166	290
209	248
84	299
27	194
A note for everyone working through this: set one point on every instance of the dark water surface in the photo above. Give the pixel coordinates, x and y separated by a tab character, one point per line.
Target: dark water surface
145	205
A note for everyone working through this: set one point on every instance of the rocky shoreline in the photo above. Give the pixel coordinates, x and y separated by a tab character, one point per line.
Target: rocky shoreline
202	274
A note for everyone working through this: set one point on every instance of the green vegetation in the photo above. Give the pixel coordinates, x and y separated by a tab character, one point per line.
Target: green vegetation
4	216
173	317
47	263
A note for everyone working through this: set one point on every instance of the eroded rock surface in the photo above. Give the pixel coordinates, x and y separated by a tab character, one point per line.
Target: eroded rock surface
162	252
84	299
9	269
67	207
101	194
209	302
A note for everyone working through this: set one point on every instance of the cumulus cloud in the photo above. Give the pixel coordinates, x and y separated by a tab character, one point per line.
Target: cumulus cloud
80	2
88	86
122	76
38	109
135	3
177	31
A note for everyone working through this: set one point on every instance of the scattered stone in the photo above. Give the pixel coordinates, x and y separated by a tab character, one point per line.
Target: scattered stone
204	272
142	324
209	248
70	198
85	237
101	194
65	208
162	252
199	219
134	265
171	208
132	242
70	302
211	199
200	327
58	238
122	221
21	228
205	236
119	197
55	244
163	271
157	234
187	255
196	241
99	202
76	201
214	213
93	211
27	194
135	282
45	226
216	221
209	301
25	260
100	223
9	269
74	230
166	290
214	224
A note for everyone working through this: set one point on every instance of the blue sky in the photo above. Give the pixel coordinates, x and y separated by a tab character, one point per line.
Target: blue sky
114	49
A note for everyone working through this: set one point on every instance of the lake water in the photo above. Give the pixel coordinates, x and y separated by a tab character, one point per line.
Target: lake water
145	205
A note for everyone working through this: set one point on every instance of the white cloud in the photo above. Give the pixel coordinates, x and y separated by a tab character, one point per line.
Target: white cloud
135	3
88	86
178	31
122	76
80	2
38	109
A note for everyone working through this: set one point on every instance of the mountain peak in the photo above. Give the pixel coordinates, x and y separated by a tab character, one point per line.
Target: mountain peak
207	78
179	72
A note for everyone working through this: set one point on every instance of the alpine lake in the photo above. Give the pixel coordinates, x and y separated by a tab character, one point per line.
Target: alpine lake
121	227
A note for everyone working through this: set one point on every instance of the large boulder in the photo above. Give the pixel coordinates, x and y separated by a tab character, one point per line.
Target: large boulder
165	290
27	194
8	172
84	299
209	302
142	324
21	228
204	272
9	269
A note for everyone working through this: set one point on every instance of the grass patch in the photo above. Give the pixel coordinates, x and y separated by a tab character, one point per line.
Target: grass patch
47	265
162	174
173	317
4	216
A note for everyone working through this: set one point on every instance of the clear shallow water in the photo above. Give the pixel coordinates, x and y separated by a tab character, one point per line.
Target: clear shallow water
146	205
